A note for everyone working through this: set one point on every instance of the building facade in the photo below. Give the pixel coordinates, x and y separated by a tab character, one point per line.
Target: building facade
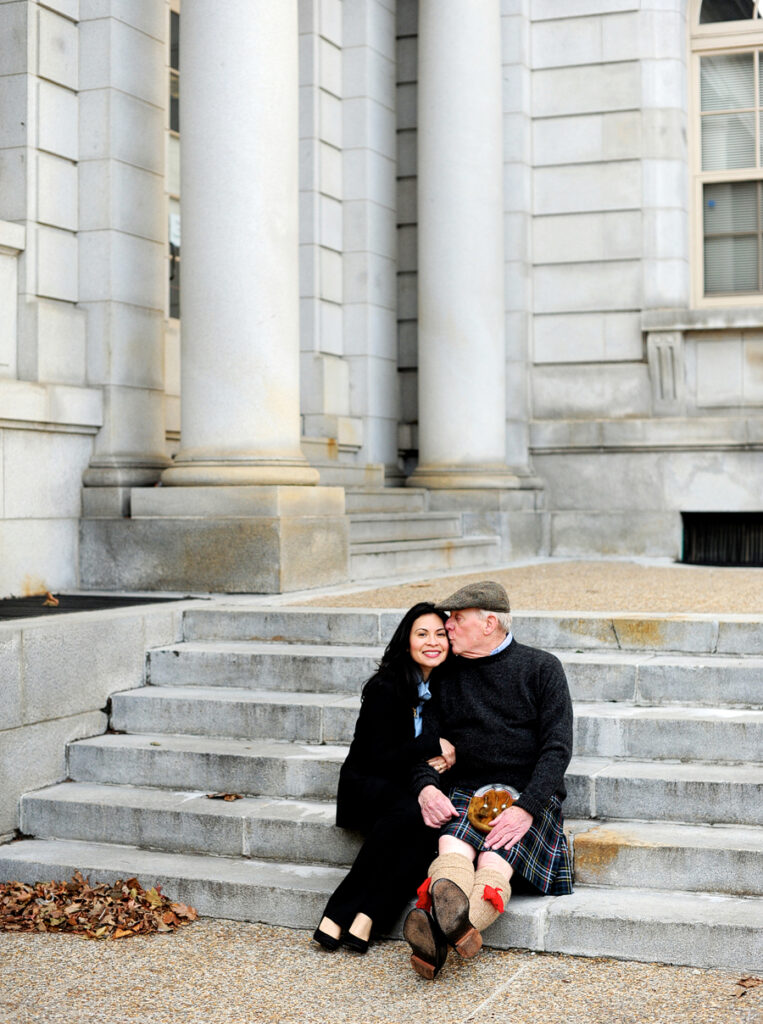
506	254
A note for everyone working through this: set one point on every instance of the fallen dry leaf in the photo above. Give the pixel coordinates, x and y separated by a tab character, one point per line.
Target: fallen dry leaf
97	912
224	796
50	601
746	983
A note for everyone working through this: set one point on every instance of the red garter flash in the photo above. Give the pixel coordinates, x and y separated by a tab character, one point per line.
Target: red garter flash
494	896
424	901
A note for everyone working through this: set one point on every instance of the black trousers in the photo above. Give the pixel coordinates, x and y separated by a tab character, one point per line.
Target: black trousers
391	864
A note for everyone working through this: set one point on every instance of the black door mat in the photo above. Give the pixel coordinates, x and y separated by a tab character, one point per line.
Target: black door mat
41	604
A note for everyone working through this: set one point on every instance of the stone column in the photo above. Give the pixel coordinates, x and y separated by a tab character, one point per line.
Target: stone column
239	201
461	360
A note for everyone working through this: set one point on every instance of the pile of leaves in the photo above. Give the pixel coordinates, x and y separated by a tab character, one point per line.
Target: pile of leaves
95	911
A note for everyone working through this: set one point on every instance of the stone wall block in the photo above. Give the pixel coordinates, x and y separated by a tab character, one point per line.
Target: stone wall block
124	344
588	89
57	49
115	195
58	120
56	263
597	187
591	391
580	287
13	100
57	192
122	268
40	751
11	687
14	38
118	126
34	485
115	55
76	667
146	15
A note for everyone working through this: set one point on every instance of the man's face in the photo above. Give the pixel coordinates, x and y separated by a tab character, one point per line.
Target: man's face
466	631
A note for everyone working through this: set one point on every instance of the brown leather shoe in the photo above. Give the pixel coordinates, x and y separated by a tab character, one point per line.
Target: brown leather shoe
450	909
428	946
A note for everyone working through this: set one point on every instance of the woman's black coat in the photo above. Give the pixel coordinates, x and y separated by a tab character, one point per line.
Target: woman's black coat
383	751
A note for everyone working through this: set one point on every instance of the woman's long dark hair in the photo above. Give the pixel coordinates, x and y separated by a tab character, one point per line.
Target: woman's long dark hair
396	665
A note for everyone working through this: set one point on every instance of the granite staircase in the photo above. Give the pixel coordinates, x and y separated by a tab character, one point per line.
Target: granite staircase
664	807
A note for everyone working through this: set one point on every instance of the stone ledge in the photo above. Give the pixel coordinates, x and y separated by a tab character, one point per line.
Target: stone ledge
677	433
28	405
710	319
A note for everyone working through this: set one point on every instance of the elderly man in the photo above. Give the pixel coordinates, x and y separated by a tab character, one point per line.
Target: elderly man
506	707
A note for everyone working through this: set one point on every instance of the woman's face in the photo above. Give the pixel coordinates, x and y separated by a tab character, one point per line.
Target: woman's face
428	642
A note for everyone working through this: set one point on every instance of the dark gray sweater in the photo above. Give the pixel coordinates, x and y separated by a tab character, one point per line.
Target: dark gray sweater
509	716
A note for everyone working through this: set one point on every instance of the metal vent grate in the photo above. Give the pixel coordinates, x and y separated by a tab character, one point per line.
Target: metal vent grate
723	538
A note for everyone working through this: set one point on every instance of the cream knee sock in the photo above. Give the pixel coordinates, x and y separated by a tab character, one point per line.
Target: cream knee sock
482	912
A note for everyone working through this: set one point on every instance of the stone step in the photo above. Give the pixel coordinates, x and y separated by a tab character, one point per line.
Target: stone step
382	559
276	666
661	679
683	733
643	679
251	767
189	822
601	730
597	787
698	793
223	711
641	924
585	632
371	527
660	855
385	499
657	855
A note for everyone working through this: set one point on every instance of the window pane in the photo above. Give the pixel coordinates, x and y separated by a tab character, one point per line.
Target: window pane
731	264
173	165
726	82
730	207
174	288
725	10
174	102
728	140
174	224
175	41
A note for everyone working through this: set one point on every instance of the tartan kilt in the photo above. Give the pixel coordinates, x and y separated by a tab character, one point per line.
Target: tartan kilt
542	855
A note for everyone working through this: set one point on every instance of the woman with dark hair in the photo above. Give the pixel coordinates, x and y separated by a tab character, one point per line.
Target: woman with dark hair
373	797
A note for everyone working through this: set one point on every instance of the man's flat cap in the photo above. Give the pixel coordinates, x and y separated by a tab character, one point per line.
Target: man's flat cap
487	594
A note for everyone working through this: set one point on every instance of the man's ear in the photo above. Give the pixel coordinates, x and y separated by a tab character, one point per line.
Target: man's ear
490	623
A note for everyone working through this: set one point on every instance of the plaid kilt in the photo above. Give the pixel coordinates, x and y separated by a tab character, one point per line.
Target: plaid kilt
542	855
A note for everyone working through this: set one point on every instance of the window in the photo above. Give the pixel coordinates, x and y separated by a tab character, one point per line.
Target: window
173	162
727	45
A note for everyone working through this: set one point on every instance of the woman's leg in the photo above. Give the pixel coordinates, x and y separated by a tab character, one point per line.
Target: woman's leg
389	866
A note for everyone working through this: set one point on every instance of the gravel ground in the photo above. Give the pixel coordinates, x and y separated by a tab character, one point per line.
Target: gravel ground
224	971
608	586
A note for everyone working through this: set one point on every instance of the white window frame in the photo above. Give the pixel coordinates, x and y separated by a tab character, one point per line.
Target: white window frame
715	38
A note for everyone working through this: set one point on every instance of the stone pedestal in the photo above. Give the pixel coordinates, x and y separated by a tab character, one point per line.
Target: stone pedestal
263	540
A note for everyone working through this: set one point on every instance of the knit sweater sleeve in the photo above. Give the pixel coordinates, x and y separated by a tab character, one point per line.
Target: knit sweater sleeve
554	737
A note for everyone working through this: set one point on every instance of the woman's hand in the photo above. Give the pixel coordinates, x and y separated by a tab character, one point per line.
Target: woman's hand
446	759
448	752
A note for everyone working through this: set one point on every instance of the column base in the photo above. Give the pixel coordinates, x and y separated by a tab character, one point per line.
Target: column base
251	540
118	473
227	473
436	477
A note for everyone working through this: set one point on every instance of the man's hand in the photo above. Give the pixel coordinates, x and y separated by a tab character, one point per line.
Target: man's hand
508	828
436	809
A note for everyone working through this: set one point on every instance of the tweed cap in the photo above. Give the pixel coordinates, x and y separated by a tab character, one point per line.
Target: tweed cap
487	595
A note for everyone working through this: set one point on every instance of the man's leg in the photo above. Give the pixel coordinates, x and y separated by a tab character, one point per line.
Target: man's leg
491	890
451	877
